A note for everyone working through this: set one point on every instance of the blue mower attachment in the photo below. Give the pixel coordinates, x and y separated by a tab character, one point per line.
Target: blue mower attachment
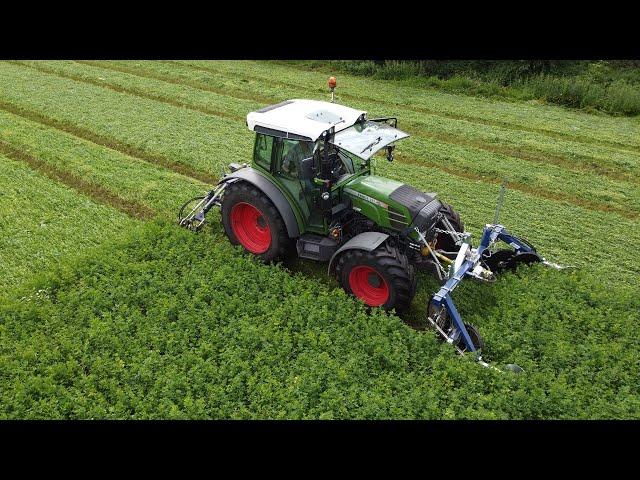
481	263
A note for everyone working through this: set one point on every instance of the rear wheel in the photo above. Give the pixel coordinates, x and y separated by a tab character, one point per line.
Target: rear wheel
250	219
381	278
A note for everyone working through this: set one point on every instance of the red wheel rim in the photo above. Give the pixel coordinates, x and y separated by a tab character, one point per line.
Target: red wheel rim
366	283
250	227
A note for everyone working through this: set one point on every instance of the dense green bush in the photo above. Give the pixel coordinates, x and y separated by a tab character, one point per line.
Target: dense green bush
500	72
617	97
168	324
612	87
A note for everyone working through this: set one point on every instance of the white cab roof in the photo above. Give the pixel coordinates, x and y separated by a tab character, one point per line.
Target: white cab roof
303	118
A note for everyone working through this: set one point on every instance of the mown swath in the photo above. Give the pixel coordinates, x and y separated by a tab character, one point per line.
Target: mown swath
85	163
515	142
95	191
44	221
552	121
111	143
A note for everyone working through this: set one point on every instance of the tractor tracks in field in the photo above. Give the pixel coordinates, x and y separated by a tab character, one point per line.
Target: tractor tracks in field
182	82
185	170
578	163
129	90
85	187
136	153
107	142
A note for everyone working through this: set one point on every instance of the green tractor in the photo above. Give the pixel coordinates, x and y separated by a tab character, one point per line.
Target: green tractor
310	190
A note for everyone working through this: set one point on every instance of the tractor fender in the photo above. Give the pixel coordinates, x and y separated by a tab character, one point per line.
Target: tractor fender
367	241
267	187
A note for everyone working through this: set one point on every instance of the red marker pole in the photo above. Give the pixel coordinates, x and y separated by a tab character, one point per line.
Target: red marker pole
332	86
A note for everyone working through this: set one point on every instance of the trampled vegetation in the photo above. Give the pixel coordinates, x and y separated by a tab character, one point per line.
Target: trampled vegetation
106	314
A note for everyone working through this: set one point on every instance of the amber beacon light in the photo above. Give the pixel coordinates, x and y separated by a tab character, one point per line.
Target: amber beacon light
332	86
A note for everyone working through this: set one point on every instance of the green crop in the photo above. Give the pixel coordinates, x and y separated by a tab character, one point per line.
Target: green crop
42	222
155	322
168	324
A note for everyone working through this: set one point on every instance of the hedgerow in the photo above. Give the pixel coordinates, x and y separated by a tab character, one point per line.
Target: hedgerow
168	324
608	86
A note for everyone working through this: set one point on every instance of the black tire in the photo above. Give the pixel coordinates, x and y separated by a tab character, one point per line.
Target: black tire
444	241
394	268
446	325
476	338
245	193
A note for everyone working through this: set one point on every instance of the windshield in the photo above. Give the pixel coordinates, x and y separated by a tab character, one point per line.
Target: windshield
365	139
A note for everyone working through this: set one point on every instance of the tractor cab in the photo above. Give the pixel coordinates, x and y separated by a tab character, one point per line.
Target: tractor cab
303	129
312	149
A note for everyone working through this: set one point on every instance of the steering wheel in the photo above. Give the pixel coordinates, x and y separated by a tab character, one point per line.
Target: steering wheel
337	166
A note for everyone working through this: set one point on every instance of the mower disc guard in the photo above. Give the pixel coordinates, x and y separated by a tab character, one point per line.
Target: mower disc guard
507	259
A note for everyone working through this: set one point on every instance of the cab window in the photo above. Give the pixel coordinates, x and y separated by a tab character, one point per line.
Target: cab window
293	151
262	151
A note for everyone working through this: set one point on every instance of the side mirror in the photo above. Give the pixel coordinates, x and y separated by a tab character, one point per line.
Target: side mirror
307	172
390	152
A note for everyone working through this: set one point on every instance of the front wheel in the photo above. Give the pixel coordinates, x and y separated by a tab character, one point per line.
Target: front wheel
380	278
444	241
250	219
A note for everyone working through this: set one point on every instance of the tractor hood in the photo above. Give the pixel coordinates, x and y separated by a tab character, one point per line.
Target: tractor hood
364	139
390	203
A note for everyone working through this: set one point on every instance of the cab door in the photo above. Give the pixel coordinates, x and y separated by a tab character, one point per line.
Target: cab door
288	155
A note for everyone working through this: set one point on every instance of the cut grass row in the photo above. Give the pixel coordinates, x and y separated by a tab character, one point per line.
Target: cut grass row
167	324
549	181
163	133
495	166
619	132
43	221
528	146
474	199
93	190
136	186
